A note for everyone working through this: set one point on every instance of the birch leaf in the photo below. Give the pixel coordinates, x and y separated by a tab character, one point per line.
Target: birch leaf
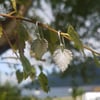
26	64
43	82
62	58
75	38
19	76
14	4
39	47
22	37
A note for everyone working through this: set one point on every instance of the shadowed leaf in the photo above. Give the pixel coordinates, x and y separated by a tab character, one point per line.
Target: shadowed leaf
43	82
19	76
26	64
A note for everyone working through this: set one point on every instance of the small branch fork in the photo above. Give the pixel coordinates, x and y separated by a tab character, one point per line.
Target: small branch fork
65	35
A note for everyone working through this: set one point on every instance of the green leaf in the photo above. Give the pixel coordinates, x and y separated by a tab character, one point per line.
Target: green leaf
26	64
75	38
53	37
52	40
43	82
19	76
96	60
22	37
22	33
32	74
1	31
14	4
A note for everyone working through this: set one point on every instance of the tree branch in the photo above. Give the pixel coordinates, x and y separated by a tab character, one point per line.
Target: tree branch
66	35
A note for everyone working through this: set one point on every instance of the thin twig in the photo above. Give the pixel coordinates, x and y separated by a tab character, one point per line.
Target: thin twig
90	49
39	24
66	35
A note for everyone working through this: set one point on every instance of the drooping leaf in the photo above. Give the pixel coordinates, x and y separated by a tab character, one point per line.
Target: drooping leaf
19	76
43	82
26	64
22	37
62	58
39	47
22	32
75	38
96	60
28	69
1	31
14	4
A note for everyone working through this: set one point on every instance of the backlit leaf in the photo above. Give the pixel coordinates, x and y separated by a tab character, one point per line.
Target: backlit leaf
75	38
43	82
39	47
62	58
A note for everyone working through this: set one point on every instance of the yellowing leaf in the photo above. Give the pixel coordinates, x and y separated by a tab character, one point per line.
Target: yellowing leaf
1	31
75	38
14	4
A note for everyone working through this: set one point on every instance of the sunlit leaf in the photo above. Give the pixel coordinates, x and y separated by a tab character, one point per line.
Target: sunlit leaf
75	38
14	4
39	47
62	58
1	31
19	76
43	82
